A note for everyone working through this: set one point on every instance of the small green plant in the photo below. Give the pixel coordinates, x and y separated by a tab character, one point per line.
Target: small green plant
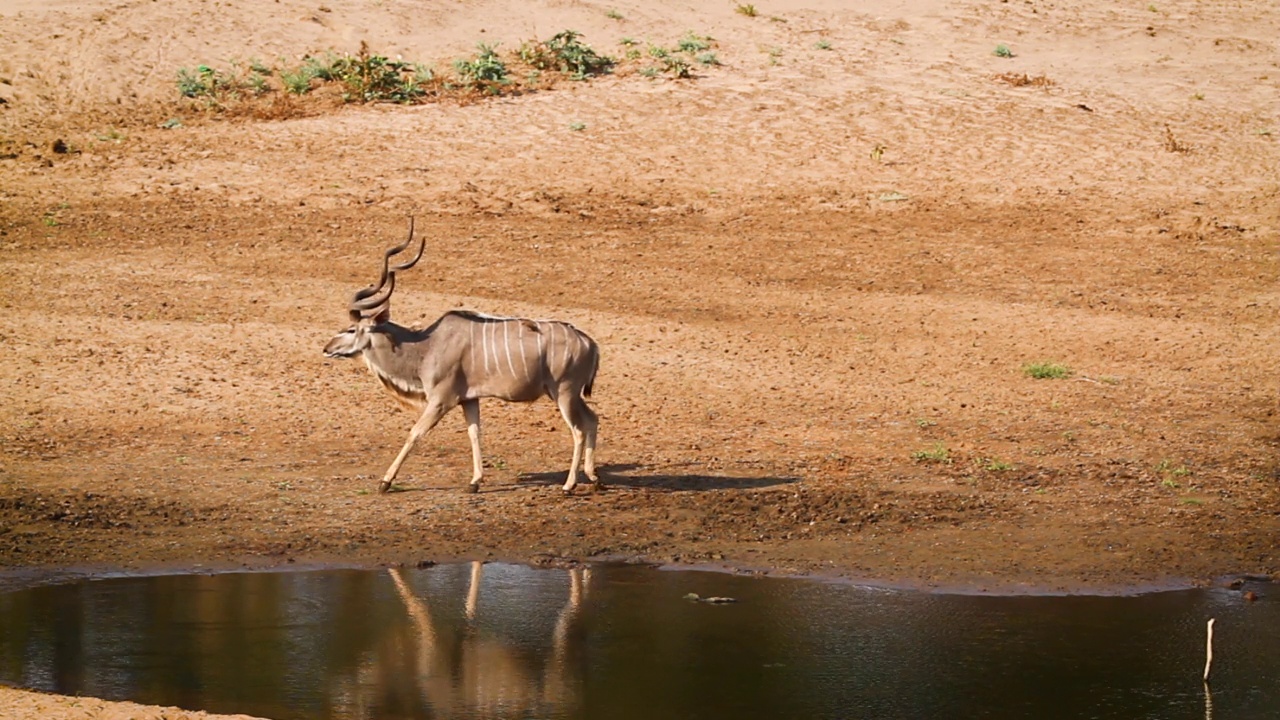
297	81
576	57
1046	371
691	43
1003	51
566	53
577	126
204	81
658	52
676	67
938	453
628	41
708	59
650	71
1168	468
925	423
748	10
822	45
1170	483
613	15
485	70
322	67
257	82
996	465
633	54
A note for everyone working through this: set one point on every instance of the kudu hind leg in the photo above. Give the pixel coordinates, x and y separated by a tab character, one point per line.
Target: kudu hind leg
430	416
471	408
582	424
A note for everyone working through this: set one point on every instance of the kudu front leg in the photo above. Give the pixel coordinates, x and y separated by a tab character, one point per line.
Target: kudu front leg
430	416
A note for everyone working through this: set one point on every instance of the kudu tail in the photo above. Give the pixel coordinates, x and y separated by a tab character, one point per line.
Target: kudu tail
595	365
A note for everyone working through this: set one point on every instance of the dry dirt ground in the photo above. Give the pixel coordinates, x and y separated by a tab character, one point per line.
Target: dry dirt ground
813	269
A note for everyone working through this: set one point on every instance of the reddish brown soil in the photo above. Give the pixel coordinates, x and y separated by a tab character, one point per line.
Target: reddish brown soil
804	267
781	332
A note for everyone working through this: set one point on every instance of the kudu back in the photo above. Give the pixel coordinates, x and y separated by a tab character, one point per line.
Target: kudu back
464	356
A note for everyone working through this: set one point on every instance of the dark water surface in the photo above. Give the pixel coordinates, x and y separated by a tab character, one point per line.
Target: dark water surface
624	642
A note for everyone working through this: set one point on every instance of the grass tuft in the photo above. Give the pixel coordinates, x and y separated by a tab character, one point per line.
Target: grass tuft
1046	371
937	453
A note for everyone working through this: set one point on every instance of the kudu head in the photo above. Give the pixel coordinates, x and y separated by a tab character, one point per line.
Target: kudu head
370	307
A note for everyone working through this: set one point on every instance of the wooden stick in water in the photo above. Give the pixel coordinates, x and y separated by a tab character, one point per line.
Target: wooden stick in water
1208	652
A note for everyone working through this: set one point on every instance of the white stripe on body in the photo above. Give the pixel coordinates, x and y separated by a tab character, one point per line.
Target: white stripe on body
506	343
524	361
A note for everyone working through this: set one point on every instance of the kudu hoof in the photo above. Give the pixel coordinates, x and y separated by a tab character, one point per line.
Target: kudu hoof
472	488
384	487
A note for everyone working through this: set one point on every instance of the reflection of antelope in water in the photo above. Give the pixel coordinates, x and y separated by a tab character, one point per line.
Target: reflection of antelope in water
464	356
483	674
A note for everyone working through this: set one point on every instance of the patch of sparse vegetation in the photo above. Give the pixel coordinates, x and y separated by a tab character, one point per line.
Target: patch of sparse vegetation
676	67
371	77
566	53
996	465
376	78
297	81
577	126
677	62
1170	469
1046	371
613	14
748	10
692	43
937	453
822	45
484	71
1002	51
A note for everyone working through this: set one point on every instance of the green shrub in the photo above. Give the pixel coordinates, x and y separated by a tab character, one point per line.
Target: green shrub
485	70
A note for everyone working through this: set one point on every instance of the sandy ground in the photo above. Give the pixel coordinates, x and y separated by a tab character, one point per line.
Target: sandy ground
808	268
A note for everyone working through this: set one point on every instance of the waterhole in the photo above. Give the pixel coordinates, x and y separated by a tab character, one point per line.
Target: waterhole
509	641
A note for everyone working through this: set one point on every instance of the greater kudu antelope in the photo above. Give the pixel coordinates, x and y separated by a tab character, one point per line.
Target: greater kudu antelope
464	356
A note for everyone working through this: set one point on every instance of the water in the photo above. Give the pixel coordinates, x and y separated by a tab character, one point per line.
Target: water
623	642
